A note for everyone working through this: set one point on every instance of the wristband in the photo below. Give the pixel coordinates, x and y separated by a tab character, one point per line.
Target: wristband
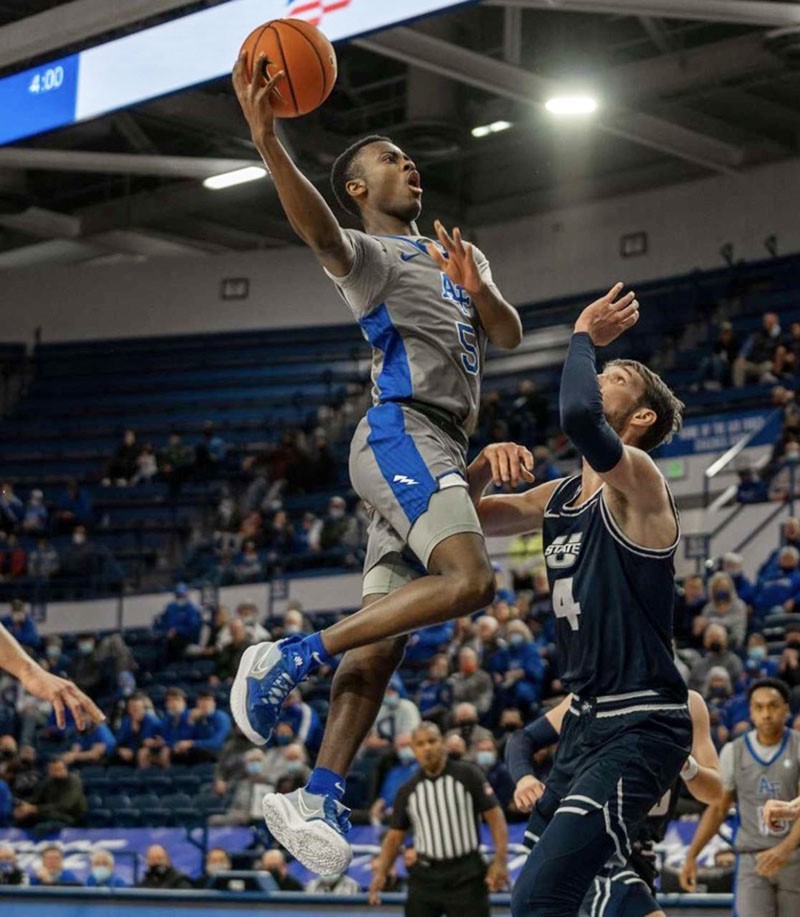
690	770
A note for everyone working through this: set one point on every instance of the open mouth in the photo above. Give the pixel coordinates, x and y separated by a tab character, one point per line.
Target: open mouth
415	182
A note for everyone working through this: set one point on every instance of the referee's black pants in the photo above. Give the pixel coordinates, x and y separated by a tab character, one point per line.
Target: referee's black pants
450	888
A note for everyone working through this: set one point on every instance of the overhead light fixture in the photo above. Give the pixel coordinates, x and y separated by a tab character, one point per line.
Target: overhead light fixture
237	177
495	127
571	105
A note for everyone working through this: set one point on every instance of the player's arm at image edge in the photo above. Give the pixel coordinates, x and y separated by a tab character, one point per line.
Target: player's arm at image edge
706	783
515	514
307	210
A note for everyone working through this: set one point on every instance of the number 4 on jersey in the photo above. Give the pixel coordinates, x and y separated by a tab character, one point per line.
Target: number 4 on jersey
564	604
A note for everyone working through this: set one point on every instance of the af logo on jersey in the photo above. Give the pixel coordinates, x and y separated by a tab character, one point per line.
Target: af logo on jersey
563	552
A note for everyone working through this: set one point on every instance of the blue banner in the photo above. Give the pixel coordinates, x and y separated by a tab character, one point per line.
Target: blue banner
718	432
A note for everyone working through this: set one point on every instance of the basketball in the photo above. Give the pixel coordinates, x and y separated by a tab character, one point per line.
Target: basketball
304	54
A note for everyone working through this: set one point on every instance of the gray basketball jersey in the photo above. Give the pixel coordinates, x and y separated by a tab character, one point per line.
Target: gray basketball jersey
428	343
756	780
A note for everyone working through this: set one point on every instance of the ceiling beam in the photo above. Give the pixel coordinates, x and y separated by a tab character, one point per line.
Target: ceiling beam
743	12
118	163
654	30
75	23
500	78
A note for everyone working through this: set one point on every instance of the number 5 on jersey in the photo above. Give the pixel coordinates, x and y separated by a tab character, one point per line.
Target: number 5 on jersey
564	604
470	358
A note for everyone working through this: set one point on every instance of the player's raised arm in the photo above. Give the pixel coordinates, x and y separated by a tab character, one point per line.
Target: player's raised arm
701	773
604	415
309	214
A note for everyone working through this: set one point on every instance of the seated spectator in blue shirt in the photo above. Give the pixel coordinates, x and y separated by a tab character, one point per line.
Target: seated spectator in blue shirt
210	452
247	565
497	774
11	508
138	725
424	644
304	720
102	875
92	746
180	622
751	489
404	767
211	728
34	520
6	804
519	669
73	508
435	695
51	871
176	726
757	663
777	589
790	535
733	564
55	659
21	625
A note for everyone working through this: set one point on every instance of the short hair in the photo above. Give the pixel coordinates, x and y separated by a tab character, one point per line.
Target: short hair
775	683
205	693
175	692
54	846
426	726
657	396
343	171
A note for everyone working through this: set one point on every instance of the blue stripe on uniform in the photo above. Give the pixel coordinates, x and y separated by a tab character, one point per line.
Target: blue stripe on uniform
398	457
394	379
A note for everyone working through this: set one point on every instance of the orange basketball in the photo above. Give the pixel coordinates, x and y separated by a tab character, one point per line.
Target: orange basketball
304	54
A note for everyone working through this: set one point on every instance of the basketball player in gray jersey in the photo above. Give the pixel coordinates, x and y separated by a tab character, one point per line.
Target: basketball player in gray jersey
758	767
428	307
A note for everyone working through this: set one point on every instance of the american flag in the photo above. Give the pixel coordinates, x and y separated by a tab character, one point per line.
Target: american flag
313	11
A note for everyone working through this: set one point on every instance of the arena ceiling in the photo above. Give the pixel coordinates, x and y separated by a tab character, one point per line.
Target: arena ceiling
687	88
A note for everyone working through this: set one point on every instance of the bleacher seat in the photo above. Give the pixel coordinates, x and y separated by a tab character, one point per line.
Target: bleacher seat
98	818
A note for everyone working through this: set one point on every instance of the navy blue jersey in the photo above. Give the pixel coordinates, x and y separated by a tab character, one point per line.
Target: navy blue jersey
613	601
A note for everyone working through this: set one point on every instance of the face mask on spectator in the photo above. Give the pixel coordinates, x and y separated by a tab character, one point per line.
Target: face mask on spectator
405	754
292	629
213	868
78	538
283	740
182	600
757	653
722	595
294	767
336	514
53	652
392	700
516	639
101	873
159	870
486	759
85	647
465	728
715	646
718	693
253	768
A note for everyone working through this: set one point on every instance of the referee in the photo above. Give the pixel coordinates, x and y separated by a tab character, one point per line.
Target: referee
442	805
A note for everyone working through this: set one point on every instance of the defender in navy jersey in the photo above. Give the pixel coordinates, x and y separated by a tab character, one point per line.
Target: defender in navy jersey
628	890
427	306
610	535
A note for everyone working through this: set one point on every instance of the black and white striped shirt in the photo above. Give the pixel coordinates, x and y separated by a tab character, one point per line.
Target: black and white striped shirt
444	812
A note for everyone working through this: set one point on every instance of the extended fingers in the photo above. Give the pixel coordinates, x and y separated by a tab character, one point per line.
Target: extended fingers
58	709
434	252
444	236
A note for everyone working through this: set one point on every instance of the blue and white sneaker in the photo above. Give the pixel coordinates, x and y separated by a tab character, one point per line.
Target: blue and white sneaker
312	828
266	675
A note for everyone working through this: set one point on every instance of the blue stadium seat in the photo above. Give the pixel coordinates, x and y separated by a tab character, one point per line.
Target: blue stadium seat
156	817
153	782
146	801
128	818
98	818
176	801
117	801
186	783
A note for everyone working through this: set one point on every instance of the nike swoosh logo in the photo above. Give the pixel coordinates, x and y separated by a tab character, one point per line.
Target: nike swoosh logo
409	256
259	668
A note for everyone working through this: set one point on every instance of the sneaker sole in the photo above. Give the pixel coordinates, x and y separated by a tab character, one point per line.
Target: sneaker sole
314	844
239	696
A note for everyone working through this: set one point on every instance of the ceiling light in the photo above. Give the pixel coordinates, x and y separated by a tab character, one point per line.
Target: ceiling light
571	105
237	177
495	127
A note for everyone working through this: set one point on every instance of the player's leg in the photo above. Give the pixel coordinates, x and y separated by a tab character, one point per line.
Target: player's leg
755	894
619	893
788	883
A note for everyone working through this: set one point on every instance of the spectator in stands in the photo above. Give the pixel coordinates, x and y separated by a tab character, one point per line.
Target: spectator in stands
321	464
689	602
6	804
397	716
757	664
717	692
716	369
248	612
287	759
497	775
403	767
211	728
36	516
21	625
305	536
279	538
216	861
304	720
525	555
243	806
13	557
784	483
435	695
146	466
86	669
471	684
160	871
295	769
465	724
789	664
137	725
247	565
123	465
333	885
518	669
750	489
725	607
231	654
90	746
19	768
424	644
337	531
73	508
51	870
102	871
510	721
733	565
715	642
543	468
274	862
226	524
175	726
210	453
180	623
12	509
759	358
790	537
176	462
294	621
778	587
43	560
58	802
10	873
455	746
